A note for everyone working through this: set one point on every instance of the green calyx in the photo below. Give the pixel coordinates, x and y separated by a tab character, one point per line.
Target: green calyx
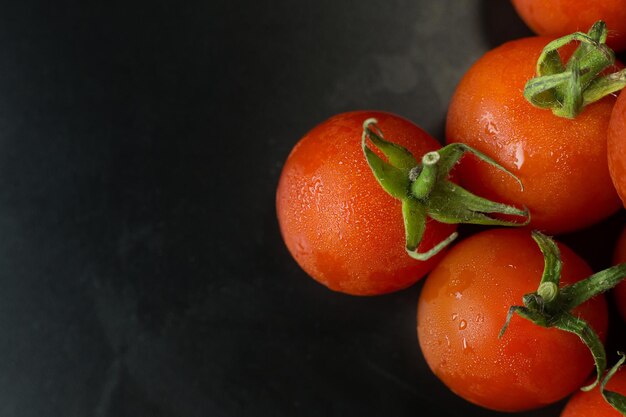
552	305
567	88
426	191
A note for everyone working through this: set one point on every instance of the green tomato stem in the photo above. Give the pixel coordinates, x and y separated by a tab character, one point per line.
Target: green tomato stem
426	180
551	306
575	294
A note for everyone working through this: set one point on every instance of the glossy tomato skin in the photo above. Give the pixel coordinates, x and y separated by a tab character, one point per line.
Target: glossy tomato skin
619	292
464	304
341	227
561	162
591	403
616	146
562	17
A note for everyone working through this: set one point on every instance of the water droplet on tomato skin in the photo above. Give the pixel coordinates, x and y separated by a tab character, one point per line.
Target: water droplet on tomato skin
302	246
462	326
456	286
519	156
487	120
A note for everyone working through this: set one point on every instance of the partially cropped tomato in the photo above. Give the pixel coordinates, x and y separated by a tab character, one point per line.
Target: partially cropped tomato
619	257
339	224
561	162
591	403
560	17
616	146
463	307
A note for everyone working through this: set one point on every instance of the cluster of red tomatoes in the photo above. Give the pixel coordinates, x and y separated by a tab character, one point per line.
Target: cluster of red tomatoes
368	203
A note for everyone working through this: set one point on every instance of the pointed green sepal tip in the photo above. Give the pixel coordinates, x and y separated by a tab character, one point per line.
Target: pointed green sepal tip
424	256
397	155
616	400
552	305
450	203
566	88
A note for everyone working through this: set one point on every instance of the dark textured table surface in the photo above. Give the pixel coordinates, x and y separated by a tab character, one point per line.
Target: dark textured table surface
142	270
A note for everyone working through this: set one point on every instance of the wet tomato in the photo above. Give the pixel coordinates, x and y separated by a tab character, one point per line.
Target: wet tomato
561	162
341	227
616	146
463	307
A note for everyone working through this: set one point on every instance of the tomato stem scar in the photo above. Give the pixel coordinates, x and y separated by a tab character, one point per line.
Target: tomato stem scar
548	291
424	183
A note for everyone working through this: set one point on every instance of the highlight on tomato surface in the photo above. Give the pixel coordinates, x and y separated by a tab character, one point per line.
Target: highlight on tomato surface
616	146
512	322
366	215
554	140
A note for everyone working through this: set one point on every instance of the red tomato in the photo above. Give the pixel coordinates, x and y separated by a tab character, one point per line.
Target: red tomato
561	162
591	403
562	17
619	292
463	306
339	224
616	146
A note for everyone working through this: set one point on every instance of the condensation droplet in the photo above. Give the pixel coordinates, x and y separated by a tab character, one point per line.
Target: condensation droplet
462	325
519	156
487	120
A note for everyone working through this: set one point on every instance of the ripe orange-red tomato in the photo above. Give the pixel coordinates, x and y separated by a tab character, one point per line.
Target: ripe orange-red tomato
562	17
591	403
463	306
561	162
616	146
619	257
339	224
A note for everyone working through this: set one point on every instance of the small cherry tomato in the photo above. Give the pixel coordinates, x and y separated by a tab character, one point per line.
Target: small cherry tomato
560	17
619	257
561	162
339	224
592	404
463	307
616	146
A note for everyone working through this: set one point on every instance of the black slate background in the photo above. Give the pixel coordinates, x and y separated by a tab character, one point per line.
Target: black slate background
142	270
